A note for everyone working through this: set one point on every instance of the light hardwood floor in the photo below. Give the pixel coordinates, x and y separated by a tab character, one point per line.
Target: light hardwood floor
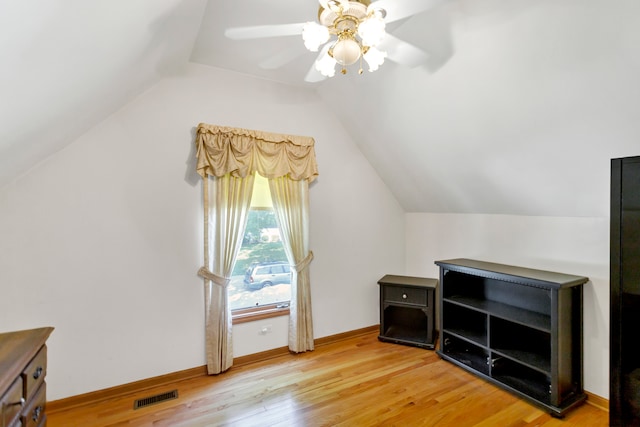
355	382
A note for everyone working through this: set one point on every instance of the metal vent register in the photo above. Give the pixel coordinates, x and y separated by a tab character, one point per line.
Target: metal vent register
152	400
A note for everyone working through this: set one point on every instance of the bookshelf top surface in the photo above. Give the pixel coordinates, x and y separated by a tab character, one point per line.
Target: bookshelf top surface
512	273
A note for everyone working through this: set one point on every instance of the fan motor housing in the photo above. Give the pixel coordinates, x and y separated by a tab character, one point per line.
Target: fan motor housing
357	11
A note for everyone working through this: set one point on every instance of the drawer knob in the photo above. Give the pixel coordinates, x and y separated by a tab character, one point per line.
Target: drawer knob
37	373
404	296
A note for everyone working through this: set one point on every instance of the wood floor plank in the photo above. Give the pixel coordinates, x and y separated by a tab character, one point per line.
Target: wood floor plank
358	381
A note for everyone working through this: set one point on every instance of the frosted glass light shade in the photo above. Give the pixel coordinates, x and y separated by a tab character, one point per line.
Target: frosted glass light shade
374	58
371	31
346	51
314	35
326	65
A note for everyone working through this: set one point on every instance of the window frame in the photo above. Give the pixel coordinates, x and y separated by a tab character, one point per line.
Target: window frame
250	314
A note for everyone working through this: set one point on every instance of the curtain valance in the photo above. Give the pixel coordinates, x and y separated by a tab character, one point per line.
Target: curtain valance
240	152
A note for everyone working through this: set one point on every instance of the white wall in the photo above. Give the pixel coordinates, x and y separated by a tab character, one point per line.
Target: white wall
578	246
103	239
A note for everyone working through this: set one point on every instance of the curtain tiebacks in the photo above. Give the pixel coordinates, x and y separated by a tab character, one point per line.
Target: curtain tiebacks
218	280
304	263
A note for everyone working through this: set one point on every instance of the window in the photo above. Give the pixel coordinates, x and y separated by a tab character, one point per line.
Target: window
229	154
261	282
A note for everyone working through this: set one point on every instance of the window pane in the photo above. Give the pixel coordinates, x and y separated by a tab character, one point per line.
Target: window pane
261	275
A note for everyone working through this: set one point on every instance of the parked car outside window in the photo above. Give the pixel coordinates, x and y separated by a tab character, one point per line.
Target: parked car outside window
266	274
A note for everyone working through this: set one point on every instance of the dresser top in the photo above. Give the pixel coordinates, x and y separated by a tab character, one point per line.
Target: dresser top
16	351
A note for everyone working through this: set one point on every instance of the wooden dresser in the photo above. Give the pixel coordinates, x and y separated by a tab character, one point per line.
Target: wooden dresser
23	366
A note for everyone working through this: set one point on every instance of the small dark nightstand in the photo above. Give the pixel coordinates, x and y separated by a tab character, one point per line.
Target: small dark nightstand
407	310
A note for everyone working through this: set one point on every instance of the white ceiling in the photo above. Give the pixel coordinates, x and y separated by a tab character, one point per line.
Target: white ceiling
518	110
68	64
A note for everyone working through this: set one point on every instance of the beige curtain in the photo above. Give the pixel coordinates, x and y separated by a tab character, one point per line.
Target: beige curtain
291	203
226	205
232	156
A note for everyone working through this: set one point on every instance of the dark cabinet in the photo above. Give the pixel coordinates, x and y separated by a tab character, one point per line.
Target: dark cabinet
624	376
518	328
407	310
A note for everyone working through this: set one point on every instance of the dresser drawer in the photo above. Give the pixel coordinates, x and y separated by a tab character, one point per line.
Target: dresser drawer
406	295
33	415
35	372
11	403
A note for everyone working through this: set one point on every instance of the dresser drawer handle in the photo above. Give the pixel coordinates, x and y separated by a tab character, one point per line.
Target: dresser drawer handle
404	296
20	402
37	373
36	413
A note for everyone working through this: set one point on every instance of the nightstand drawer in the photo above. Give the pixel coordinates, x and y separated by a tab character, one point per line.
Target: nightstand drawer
405	295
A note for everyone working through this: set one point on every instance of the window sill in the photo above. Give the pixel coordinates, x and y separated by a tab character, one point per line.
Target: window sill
258	313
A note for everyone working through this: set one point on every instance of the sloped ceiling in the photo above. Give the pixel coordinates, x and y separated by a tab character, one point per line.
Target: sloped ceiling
67	65
518	109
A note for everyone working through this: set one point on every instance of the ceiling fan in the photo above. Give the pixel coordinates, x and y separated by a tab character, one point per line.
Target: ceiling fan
347	32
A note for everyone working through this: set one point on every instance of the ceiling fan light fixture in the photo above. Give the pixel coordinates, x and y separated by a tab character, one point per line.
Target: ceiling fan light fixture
314	35
358	25
348	31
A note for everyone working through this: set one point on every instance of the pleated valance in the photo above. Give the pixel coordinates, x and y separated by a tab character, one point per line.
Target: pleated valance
240	152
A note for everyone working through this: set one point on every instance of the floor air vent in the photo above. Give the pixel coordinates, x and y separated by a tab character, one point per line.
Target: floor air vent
152	400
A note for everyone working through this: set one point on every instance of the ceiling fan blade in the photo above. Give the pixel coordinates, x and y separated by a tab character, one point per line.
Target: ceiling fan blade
402	52
399	9
313	75
264	31
280	59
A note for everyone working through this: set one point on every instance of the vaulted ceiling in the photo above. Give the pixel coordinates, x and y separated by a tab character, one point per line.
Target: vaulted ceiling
518	108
